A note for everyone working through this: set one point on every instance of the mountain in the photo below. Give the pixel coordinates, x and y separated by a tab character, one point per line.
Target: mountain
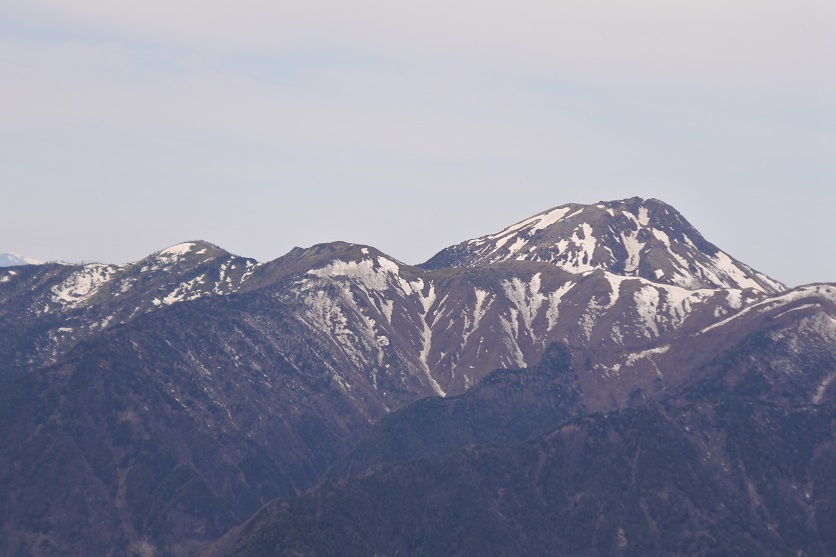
45	310
147	408
716	438
14	260
736	459
782	352
509	405
390	319
727	478
631	237
159	435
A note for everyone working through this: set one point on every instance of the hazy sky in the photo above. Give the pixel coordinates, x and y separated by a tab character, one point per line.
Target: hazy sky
411	126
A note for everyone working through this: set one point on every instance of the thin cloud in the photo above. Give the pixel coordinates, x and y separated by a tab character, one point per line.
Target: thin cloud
444	107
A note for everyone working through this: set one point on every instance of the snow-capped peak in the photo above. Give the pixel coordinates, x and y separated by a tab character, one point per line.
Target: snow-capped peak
14	259
630	237
183	249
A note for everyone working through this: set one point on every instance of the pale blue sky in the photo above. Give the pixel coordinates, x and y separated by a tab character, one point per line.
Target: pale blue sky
411	126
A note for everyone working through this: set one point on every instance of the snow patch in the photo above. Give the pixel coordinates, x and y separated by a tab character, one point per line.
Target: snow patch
535	223
185	291
615	286
479	311
388	265
636	356
679	301
512	331
516	246
177	250
740	278
734	298
427	333
363	271
82	284
552	313
580	259
644	217
774	302
387	307
822	388
526	298
634	249
647	306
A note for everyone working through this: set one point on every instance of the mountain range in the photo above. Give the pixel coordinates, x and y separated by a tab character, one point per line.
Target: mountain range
594	380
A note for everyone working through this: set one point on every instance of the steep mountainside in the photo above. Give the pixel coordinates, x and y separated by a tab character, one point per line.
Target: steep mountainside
716	437
146	408
157	436
443	328
508	406
783	353
632	237
46	309
731	477
736	459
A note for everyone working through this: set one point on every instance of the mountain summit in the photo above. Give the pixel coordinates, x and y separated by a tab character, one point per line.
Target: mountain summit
14	259
629	237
